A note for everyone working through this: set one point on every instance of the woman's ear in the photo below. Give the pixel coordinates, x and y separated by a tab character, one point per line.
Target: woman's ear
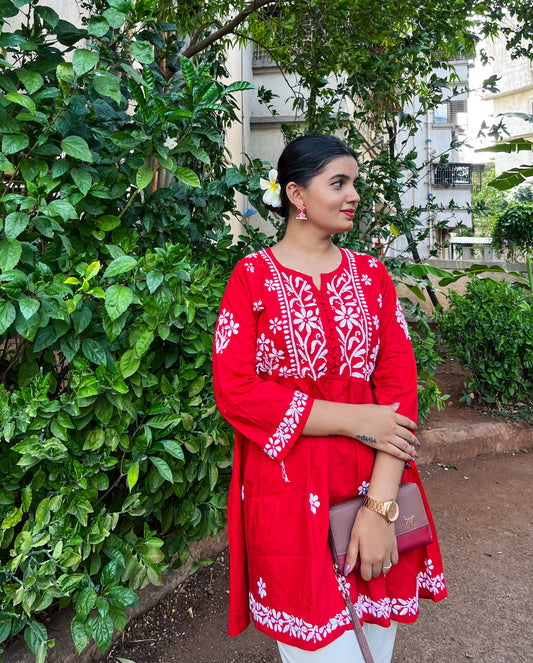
294	194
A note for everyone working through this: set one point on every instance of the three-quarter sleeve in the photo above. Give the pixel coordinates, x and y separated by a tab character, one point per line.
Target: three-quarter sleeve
268	413
394	379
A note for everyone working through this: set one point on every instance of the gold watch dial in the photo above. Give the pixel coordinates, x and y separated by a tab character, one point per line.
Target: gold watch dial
393	511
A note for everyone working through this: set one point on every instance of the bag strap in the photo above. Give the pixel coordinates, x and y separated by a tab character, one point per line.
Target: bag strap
361	639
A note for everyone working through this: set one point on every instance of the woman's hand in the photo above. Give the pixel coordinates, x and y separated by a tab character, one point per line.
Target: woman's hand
373	541
382	428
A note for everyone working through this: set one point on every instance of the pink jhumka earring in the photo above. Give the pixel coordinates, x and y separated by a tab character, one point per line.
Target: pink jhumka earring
301	216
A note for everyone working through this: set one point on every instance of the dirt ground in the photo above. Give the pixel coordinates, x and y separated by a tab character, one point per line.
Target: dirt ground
190	624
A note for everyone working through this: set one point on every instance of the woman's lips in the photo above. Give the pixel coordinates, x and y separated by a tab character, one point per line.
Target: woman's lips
349	212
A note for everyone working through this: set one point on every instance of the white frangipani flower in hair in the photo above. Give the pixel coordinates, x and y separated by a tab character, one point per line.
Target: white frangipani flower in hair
271	188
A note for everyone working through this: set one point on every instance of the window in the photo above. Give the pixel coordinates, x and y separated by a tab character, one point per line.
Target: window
452	174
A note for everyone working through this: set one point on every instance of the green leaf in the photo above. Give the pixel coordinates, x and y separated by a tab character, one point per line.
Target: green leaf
84	60
8	9
116	19
108	85
187	69
22	100
98	26
101	630
65	72
15	223
31	80
79	634
5	627
118	298
62	208
144	177
142	51
29	307
76	147
173	448
94	351
10	252
82	179
133	475
129	363
163	468
13	517
108	222
123	596
35	634
120	265
143	342
154	280
92	270
7	316
187	176
13	143
239	86
5	164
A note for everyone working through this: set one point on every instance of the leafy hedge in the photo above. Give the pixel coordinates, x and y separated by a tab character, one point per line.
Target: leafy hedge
113	456
490	330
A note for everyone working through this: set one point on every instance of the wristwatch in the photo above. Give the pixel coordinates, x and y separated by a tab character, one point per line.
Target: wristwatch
388	509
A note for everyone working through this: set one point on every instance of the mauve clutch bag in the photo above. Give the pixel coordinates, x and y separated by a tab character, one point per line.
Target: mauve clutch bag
412	527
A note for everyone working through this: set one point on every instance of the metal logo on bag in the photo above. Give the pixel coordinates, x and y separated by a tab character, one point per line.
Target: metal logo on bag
411	521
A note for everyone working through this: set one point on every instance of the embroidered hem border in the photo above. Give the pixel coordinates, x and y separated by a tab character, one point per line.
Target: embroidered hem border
279	621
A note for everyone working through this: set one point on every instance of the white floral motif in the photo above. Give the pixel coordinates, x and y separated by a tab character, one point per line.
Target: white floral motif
249	267
350	312
346	316
226	327
313	502
261	588
268	357
298	628
258	306
366	279
373	262
380	300
400	319
375	320
363	488
276	325
306	319
288	426
271	284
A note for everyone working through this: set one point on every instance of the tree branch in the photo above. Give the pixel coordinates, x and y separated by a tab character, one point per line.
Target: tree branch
193	48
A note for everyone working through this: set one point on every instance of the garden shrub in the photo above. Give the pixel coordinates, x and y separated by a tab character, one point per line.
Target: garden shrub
490	330
112	453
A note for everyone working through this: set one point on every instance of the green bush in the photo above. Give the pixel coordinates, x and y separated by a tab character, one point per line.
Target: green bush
490	330
112	454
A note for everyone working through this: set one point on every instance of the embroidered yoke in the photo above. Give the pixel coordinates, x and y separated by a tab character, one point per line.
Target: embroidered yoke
281	342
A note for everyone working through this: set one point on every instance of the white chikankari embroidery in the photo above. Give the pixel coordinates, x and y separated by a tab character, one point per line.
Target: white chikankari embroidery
400	319
242	492
261	588
226	327
375	320
271	285
288	426
258	306
380	300
373	262
268	357
249	267
282	622
363	488
366	279
353	331
276	325
313	502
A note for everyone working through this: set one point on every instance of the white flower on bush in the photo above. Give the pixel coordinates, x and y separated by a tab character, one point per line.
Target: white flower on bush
271	188
170	143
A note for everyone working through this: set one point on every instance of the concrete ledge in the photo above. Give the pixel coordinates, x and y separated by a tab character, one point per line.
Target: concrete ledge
59	627
462	442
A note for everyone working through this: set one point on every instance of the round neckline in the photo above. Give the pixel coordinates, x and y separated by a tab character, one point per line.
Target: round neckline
280	265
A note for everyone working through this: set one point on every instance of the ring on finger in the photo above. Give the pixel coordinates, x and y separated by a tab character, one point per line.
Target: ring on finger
388	567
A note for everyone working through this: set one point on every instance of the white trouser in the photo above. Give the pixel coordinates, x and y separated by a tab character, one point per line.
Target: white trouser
345	649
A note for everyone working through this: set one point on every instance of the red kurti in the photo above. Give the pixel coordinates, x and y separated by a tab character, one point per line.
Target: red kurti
279	343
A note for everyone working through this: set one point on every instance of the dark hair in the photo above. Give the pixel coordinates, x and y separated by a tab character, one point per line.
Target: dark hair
304	158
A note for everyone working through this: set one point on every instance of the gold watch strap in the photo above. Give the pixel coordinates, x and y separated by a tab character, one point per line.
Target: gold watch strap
375	505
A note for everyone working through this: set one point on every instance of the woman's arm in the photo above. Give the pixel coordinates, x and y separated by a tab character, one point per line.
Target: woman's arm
377	426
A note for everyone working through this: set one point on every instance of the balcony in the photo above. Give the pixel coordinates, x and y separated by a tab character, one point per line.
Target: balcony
453	175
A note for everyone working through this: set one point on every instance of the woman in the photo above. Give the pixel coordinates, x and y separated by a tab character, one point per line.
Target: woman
314	368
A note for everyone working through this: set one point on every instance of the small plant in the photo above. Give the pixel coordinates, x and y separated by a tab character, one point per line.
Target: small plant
490	331
514	231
